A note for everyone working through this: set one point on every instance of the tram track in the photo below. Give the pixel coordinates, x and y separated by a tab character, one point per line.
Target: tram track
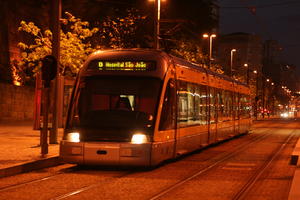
37	180
241	194
246	188
218	159
214	161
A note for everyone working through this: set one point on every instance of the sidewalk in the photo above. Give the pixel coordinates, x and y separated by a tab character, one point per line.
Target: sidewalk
20	151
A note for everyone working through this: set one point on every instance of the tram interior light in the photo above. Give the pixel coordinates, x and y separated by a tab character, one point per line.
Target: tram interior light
73	137
139	138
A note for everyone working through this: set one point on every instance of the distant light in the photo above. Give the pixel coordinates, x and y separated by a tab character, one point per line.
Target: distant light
268	80
205	35
160	0
284	115
16	83
255	72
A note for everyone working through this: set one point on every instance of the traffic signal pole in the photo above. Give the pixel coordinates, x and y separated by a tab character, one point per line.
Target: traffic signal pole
55	12
44	130
49	72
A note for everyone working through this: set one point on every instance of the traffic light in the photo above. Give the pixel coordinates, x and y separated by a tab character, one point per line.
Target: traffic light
49	69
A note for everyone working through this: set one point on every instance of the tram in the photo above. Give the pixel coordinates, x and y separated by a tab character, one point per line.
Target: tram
140	107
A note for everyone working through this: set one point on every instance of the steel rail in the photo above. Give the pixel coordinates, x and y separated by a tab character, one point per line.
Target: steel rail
14	186
69	194
225	157
260	171
75	192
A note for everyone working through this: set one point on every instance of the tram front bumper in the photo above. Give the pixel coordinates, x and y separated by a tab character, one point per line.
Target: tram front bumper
106	153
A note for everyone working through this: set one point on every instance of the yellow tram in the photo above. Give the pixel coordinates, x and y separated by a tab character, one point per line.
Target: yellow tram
140	107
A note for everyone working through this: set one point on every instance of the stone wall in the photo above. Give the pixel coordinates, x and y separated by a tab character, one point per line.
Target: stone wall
16	103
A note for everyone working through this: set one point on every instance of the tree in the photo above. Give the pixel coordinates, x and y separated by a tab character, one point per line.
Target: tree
76	39
191	51
123	32
75	47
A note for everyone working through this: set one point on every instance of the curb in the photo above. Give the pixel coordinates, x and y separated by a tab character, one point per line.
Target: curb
294	193
30	166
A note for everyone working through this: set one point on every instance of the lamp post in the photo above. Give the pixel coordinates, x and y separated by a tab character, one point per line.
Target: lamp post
246	65
265	95
210	46
156	24
256	95
231	60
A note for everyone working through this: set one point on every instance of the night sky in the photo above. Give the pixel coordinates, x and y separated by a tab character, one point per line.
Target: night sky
272	19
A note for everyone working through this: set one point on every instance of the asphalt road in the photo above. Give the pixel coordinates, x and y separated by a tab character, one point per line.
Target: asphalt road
252	166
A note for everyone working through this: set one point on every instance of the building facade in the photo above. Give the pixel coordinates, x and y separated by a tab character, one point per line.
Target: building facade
242	52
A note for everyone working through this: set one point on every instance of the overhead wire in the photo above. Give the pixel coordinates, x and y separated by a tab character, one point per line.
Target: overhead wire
264	6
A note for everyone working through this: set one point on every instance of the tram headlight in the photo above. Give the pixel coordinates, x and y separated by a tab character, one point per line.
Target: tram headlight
73	137
139	138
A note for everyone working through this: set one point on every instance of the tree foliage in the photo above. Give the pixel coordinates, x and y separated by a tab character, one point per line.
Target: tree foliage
77	38
191	51
75	43
123	32
74	46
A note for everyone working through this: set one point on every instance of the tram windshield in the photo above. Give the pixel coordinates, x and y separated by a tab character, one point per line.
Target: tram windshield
113	108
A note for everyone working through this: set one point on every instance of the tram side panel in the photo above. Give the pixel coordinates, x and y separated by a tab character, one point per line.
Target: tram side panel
245	116
225	122
192	126
163	146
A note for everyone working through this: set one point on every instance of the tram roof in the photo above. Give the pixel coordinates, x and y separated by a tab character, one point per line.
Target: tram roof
147	53
202	69
156	54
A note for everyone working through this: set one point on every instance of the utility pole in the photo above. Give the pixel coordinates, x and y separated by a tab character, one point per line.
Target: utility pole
156	24
55	15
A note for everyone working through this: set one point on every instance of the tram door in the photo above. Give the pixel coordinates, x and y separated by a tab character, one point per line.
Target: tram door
212	115
236	116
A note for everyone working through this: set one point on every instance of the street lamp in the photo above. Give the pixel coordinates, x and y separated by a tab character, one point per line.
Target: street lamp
210	45
256	95
246	65
231	60
156	27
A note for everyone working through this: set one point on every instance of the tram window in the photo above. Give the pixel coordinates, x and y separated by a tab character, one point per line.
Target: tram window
197	104
100	102
203	105
212	105
117	102
182	104
229	104
167	119
236	106
191	104
123	103
200	105
245	106
220	98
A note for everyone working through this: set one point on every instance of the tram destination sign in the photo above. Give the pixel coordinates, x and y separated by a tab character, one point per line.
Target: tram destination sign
101	65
